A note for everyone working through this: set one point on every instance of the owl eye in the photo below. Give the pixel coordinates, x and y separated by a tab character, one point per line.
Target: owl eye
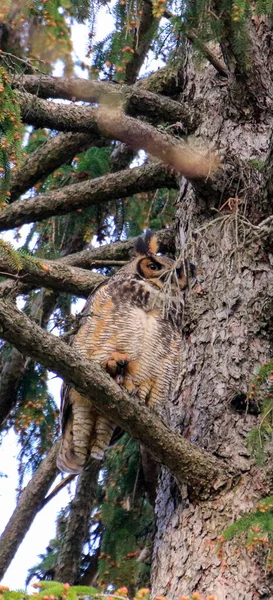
154	266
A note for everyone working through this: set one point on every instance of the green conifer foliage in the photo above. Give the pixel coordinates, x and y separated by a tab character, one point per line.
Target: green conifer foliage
126	517
10	133
262	392
35	420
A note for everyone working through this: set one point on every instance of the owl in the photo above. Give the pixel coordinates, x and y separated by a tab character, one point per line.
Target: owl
131	327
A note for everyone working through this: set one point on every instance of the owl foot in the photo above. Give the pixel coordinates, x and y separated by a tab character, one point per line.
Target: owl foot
116	364
129	386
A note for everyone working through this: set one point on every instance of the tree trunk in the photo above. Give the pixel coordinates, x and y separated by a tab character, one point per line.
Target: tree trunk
226	337
77	528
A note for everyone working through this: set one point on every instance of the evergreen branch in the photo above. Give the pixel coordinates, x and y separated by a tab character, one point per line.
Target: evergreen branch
136	100
192	36
79	195
202	472
28	505
57	151
143	38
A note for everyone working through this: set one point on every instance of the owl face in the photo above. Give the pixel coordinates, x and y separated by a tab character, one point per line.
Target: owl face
160	271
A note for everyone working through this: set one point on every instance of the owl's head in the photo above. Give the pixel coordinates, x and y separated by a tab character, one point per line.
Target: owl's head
161	271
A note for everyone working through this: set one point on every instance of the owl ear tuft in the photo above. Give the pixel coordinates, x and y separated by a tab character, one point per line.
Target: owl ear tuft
148	244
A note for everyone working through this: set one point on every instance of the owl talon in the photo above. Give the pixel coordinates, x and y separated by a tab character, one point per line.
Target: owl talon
116	364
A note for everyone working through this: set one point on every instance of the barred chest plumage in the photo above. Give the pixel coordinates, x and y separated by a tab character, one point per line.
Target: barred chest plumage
132	328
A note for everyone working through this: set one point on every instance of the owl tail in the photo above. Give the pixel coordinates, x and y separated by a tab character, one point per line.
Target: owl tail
85	434
104	430
75	443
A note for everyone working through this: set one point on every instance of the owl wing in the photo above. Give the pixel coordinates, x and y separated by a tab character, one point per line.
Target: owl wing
84	432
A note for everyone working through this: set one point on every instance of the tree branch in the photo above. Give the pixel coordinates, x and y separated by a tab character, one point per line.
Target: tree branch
135	101
53	274
112	123
144	36
60	486
118	250
57	151
29	504
210	56
79	195
197	468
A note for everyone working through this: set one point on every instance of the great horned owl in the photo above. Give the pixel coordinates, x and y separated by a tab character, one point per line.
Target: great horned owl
132	328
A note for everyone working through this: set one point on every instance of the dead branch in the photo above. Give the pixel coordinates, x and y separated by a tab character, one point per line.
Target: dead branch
118	250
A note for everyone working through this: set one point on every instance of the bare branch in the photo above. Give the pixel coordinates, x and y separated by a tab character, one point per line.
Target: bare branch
192	36
79	195
53	274
29	504
201	471
112	123
135	100
60	486
118	250
210	56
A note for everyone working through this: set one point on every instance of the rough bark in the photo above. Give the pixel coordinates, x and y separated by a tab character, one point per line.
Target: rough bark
77	527
226	341
110	121
53	274
29	504
79	195
137	101
14	363
10	378
187	463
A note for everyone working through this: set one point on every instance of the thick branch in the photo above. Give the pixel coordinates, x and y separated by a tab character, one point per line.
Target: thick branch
135	101
210	56
112	123
144	36
14	363
80	195
10	379
201	471
118	250
55	152
77	526
53	274
29	504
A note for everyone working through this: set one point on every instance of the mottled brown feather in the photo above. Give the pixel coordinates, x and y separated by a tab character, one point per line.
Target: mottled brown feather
132	328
